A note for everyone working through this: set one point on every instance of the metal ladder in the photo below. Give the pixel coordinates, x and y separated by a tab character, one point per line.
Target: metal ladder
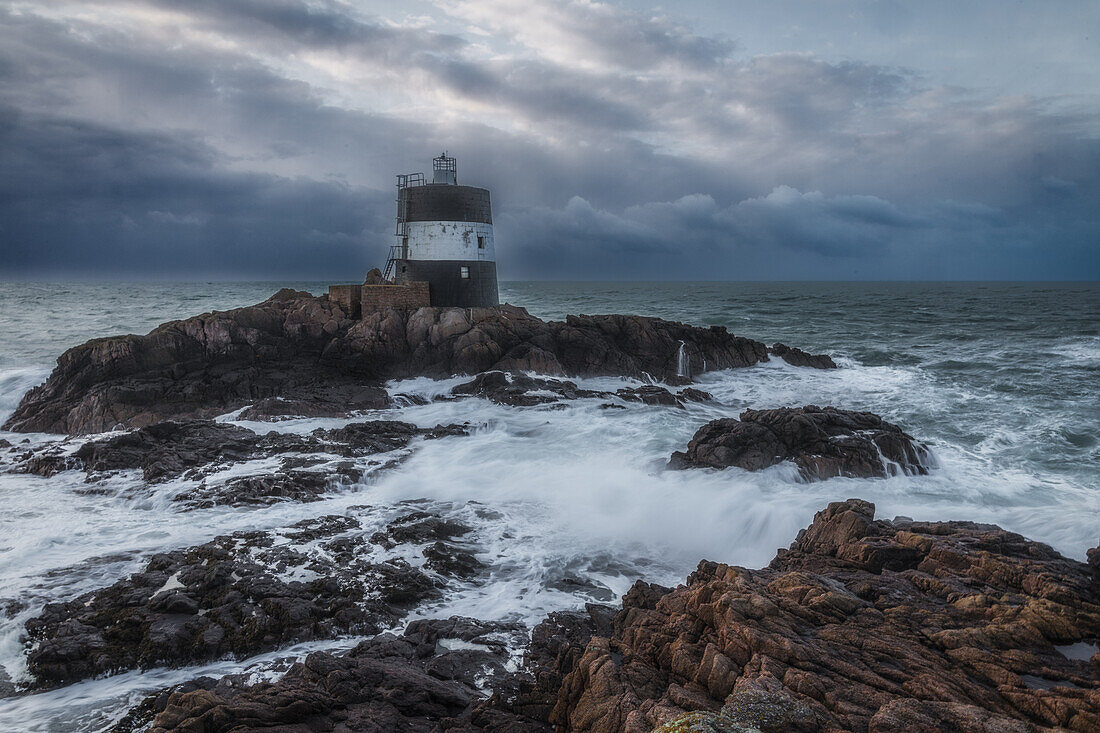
397	251
391	263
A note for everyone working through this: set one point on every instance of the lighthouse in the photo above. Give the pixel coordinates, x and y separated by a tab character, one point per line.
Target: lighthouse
444	238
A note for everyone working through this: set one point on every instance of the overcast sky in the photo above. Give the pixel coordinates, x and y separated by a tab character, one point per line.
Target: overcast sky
697	140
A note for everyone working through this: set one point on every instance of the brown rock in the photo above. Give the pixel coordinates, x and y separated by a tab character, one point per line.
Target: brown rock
860	625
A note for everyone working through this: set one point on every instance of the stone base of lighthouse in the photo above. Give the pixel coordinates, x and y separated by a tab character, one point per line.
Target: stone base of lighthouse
459	283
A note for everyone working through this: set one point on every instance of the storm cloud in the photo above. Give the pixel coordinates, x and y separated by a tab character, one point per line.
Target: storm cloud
249	139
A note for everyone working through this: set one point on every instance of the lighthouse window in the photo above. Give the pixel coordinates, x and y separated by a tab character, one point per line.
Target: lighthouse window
481	242
464	273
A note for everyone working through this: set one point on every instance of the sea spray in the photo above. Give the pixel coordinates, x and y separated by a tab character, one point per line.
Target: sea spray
683	363
570	503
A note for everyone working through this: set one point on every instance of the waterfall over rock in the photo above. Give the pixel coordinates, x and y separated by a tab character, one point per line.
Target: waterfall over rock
683	364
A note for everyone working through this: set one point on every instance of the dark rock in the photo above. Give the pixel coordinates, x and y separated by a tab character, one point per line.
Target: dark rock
169	449
695	395
799	358
237	596
419	528
398	684
521	390
822	442
862	625
650	394
513	388
325	401
263	490
446	559
306	349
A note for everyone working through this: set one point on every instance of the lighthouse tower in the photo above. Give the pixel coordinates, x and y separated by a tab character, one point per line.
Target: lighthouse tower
445	238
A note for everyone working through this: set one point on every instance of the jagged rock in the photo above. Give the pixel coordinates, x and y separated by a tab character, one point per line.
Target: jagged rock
695	395
334	401
262	490
237	595
446	559
822	442
520	390
387	684
169	449
650	394
304	348
509	388
419	528
798	357
862	624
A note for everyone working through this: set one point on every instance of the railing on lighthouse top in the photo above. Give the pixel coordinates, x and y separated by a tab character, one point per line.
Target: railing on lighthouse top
445	170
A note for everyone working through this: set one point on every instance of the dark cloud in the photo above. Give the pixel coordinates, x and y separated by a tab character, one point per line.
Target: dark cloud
99	202
249	138
789	234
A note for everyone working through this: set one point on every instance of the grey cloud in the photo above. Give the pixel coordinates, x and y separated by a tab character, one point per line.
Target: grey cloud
121	153
600	32
108	202
789	234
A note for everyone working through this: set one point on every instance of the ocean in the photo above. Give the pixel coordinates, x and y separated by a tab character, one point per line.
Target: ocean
571	505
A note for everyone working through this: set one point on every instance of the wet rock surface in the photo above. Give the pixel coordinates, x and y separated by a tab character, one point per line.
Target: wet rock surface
246	593
822	441
330	401
798	357
308	352
521	390
434	677
200	449
860	625
649	394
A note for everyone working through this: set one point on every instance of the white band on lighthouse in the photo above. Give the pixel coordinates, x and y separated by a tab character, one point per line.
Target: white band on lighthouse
450	240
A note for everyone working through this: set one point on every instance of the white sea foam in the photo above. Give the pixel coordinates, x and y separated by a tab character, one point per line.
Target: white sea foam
572	503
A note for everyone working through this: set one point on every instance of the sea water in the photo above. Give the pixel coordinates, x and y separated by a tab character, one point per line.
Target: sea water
571	504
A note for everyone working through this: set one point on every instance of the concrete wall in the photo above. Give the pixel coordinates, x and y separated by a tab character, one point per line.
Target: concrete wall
407	296
450	240
349	298
448	288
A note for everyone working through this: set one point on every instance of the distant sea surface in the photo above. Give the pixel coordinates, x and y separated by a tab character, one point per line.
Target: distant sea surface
1001	380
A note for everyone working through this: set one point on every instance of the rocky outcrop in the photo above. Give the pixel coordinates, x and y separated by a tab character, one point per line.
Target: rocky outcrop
822	442
522	390
307	351
334	400
195	448
862	625
246	593
434	677
800	358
